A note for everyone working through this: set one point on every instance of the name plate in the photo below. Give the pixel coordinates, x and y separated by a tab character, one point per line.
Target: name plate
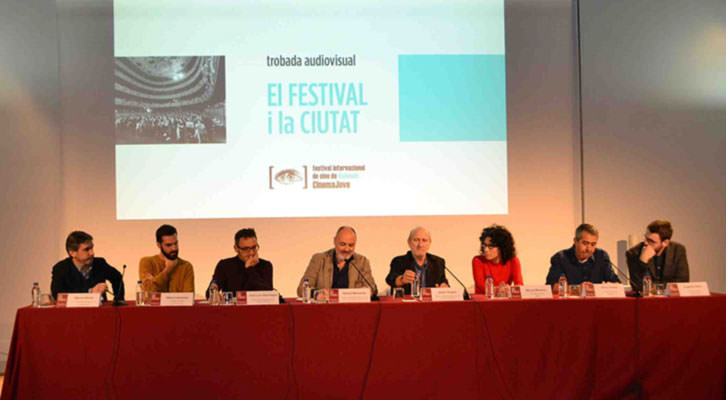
609	290
257	297
74	300
172	299
357	295
532	292
442	294
688	289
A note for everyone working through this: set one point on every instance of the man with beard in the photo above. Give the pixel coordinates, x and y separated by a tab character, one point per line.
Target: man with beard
81	272
664	259
582	262
338	268
418	261
246	271
166	272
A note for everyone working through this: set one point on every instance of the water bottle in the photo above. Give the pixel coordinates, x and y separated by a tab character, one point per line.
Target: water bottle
489	287
562	286
416	286
306	291
213	293
647	284
36	294
139	294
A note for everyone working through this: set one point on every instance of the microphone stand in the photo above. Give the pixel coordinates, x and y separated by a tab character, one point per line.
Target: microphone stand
466	293
116	301
627	279
374	296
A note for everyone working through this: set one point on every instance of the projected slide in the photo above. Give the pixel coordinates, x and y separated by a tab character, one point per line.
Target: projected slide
239	109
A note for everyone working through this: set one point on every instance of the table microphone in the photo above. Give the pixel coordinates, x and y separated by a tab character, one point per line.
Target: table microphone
116	301
466	294
374	296
635	293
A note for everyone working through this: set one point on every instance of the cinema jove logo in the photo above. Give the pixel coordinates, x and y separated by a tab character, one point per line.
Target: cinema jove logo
323	176
288	177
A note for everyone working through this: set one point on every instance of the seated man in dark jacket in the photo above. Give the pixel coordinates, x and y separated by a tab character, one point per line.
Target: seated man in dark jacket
81	272
582	262
417	261
664	259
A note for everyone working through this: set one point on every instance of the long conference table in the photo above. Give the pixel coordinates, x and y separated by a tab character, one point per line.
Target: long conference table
652	348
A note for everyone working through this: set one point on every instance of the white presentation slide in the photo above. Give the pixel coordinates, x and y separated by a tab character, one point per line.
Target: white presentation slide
282	108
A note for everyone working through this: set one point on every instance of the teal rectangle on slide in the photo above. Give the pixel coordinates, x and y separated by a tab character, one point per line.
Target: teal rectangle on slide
452	98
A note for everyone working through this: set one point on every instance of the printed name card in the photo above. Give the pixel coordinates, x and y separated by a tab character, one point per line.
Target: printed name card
172	299
688	289
442	294
532	292
257	297
356	295
74	300
609	290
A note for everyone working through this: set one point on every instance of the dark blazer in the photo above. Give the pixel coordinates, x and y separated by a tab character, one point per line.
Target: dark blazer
67	279
435	271
596	270
675	268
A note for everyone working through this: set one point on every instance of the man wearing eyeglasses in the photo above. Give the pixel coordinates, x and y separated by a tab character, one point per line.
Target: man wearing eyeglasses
665	259
418	261
246	270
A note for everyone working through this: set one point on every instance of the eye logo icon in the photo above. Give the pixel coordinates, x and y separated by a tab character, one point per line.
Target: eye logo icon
286	177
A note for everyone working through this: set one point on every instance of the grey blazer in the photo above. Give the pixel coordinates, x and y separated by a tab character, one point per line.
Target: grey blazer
320	272
674	270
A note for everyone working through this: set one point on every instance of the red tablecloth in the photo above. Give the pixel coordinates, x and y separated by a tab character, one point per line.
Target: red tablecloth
513	349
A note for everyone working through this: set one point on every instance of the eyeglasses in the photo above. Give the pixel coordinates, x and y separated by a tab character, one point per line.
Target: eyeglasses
248	249
488	246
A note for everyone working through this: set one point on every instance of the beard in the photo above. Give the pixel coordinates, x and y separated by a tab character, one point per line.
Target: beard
171	256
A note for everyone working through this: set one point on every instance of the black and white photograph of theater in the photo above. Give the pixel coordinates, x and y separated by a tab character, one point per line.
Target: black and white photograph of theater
176	100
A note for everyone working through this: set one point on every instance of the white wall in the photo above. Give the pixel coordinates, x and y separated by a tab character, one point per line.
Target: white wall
57	160
30	153
654	122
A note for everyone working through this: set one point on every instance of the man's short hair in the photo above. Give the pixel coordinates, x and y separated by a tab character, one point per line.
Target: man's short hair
345	227
662	227
75	239
414	230
585	228
164	230
244	233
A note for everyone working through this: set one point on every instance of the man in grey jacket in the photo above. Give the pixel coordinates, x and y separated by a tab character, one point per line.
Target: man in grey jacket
665	259
339	267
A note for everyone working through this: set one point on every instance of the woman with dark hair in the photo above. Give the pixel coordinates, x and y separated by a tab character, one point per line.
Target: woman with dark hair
498	258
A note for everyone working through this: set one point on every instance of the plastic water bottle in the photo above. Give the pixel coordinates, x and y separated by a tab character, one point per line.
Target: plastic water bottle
306	291
562	286
213	293
416	286
489	287
647	284
139	294
36	294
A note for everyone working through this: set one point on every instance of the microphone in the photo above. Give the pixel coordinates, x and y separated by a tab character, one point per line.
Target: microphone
116	301
374	296
466	294
621	273
627	279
